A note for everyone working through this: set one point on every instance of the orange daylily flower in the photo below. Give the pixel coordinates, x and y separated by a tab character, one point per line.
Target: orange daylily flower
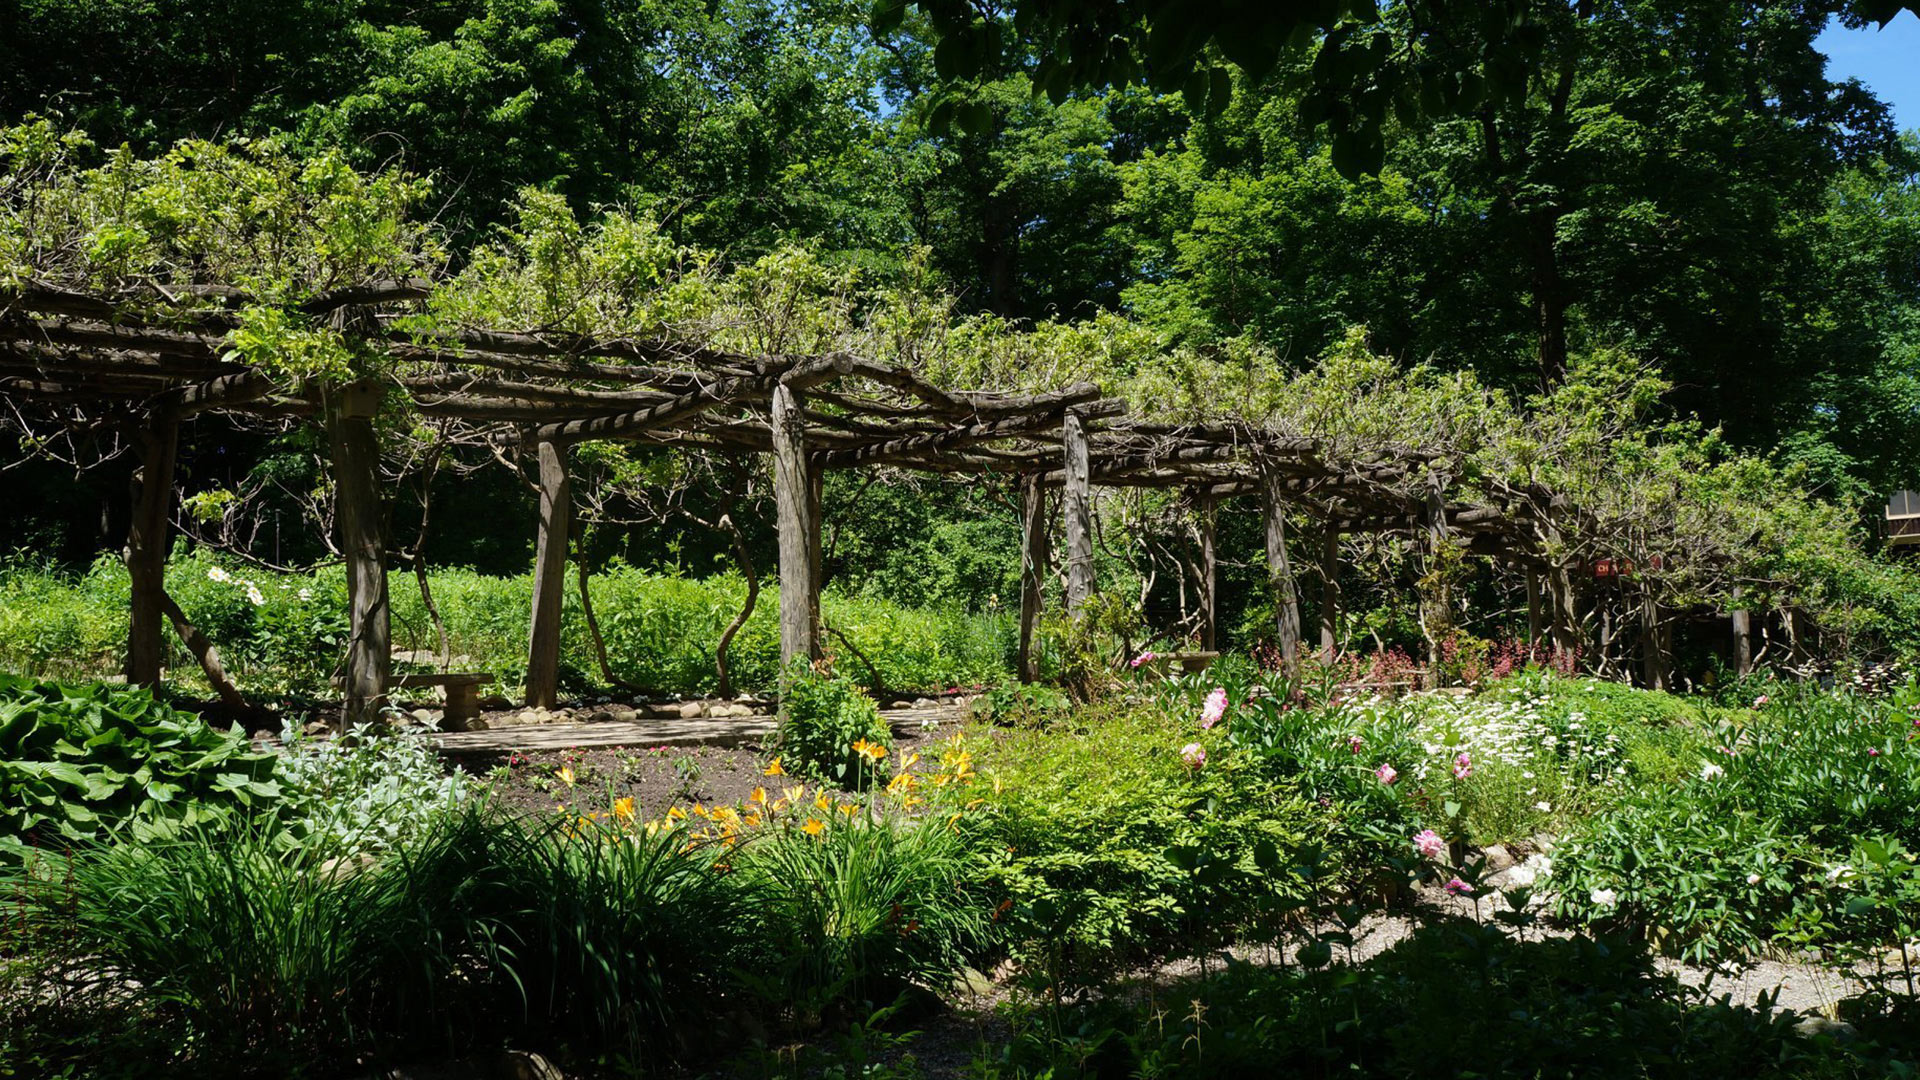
774	769
813	827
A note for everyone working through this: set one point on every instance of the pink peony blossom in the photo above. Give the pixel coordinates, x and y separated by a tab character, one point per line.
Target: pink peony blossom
1462	766
1873	751
1354	743
1147	657
1386	774
1459	888
1429	844
1194	755
1761	700
1215	708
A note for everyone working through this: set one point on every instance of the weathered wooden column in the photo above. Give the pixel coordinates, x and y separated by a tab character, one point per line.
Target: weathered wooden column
1329	594
799	522
1742	638
1077	507
146	552
549	576
1208	583
356	492
1286	596
1035	563
1534	619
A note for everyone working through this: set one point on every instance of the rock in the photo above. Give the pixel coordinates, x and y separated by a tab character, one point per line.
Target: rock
343	868
478	723
423	716
525	1065
663	711
1498	858
901	705
625	716
691	710
1813	1025
527	716
1543	841
598	716
495	702
317	727
925	703
973	982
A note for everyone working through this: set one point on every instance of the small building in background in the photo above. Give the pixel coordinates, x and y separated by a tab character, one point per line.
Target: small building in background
1903	521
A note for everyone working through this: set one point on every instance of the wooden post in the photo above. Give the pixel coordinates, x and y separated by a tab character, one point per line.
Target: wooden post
799	525
1329	595
146	552
1534	619
1208	584
1077	506
1742	638
356	494
549	577
1286	597
1035	562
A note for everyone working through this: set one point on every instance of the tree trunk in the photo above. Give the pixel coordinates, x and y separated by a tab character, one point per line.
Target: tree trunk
799	526
1742	639
1656	663
356	463
1286	596
722	665
1329	596
1077	507
1535	622
549	578
1036	563
202	648
1207	580
146	551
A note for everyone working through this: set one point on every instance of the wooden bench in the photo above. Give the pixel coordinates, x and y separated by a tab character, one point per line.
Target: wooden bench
463	695
1190	661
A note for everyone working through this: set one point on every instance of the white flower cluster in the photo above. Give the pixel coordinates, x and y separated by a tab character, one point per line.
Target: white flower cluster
1520	732
254	595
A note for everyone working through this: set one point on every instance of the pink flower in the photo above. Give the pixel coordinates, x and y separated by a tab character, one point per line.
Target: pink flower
1429	844
1462	766
1761	700
1873	751
1215	708
1355	742
1147	657
1386	774
1194	755
1459	888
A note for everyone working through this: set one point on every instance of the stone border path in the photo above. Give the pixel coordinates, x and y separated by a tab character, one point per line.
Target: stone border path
694	731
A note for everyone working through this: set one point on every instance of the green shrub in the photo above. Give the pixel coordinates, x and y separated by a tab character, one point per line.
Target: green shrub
831	730
1106	844
77	761
361	794
284	633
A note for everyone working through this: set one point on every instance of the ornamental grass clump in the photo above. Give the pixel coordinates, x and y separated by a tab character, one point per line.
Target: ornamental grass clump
254	963
608	936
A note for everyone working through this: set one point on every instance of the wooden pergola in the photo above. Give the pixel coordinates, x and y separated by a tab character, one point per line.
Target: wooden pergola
145	364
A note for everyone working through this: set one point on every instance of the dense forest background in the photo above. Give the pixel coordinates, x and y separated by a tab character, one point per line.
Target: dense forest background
1682	182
